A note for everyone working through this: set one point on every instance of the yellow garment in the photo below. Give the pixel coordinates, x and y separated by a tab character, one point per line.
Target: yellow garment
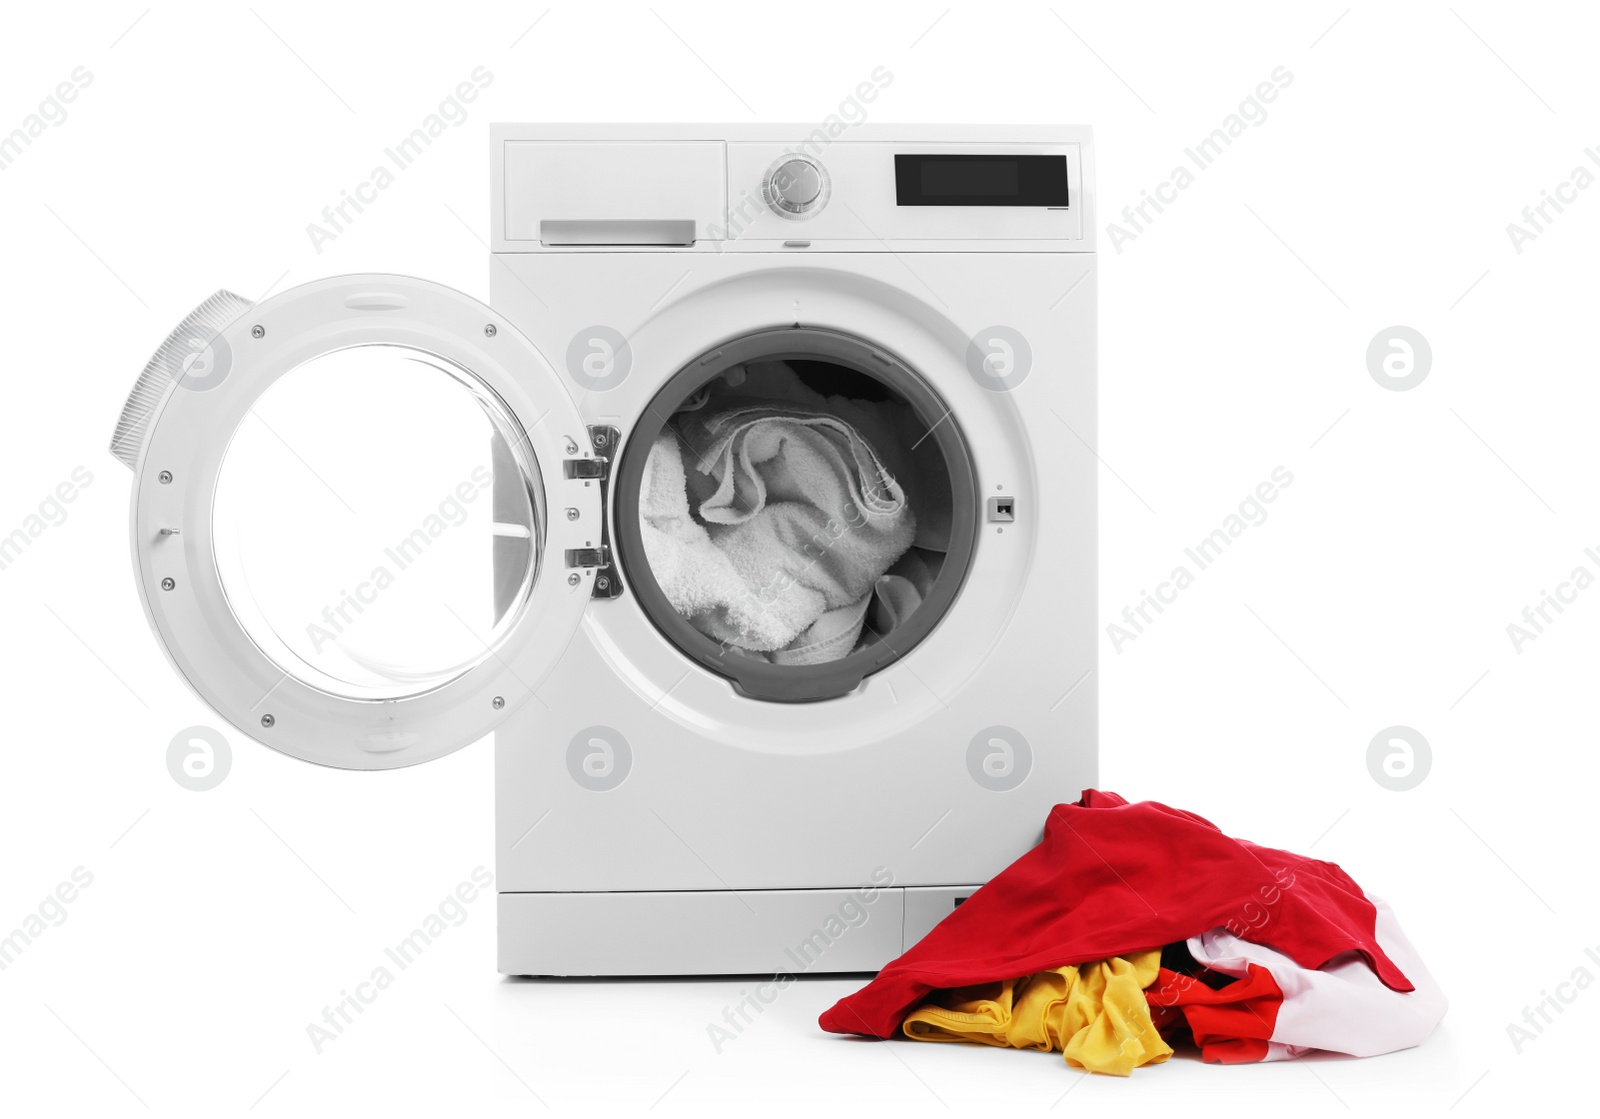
1095	1014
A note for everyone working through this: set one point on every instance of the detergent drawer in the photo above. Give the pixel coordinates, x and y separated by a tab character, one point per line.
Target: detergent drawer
632	193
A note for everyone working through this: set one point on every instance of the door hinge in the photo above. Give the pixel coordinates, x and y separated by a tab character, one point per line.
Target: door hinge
606	583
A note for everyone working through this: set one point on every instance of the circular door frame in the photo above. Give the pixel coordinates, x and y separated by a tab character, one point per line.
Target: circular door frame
757	678
171	524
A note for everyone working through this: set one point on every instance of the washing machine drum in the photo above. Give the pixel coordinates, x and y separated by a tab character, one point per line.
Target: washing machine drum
368	516
795	510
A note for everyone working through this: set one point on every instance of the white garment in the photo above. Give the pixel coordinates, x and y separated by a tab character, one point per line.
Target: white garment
798	519
698	578
1341	1007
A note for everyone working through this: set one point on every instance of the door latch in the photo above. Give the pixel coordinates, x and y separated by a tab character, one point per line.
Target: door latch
604	439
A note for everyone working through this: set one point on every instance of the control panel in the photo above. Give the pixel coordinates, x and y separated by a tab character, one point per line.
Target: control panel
746	193
877	194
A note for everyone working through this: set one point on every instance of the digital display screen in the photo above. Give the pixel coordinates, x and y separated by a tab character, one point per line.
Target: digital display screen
944	178
980	180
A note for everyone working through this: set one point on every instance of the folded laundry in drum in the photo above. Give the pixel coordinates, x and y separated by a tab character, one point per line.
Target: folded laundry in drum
1250	953
775	527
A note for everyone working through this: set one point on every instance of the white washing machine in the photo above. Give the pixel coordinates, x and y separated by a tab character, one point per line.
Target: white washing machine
375	520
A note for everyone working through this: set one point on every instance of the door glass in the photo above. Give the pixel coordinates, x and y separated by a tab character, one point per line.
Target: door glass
377	522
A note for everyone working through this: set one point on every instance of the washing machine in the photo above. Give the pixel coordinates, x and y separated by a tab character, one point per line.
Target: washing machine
375	520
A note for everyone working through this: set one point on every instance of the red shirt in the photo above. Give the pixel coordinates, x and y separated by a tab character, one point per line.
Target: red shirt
1110	878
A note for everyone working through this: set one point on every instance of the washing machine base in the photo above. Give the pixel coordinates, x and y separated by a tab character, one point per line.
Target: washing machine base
717	932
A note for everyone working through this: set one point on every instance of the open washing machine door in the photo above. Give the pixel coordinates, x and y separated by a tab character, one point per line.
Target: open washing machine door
367	516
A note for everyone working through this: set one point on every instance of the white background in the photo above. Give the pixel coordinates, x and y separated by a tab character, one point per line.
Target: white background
1234	331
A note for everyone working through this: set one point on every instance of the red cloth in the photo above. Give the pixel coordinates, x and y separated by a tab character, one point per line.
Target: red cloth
1111	878
1230	1024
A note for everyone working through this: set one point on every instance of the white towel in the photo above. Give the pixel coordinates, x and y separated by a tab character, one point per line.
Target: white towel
798	518
891	427
697	577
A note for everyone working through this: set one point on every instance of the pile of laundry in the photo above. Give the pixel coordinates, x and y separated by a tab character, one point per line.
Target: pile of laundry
790	526
1134	927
